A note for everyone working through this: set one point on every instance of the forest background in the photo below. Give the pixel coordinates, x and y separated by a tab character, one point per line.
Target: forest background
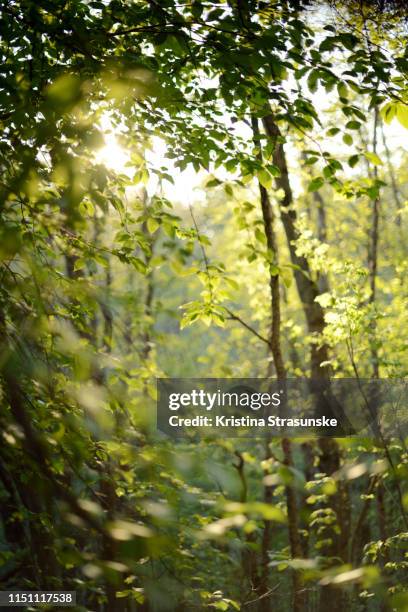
199	189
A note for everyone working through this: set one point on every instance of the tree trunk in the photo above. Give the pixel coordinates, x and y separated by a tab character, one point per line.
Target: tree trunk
299	594
329	461
373	259
322	280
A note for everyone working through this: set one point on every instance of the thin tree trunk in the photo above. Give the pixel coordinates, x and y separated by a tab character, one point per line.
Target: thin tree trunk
308	454
394	186
149	291
322	281
107	313
372	270
299	594
373	258
307	288
321	226
249	556
329	460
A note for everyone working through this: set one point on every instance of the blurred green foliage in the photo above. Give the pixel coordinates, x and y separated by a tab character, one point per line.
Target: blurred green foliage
106	284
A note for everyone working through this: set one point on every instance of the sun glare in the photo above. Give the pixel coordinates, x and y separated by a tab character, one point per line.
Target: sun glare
113	156
116	158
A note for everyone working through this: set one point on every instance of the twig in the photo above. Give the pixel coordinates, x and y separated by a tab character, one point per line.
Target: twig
235	317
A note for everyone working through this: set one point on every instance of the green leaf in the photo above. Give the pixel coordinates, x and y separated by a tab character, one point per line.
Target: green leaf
100	259
328	171
315	184
232	283
373	158
312	80
274	170
220	605
139	265
349	41
402	114
342	90
260	236
287	277
79	264
388	112
86	208
324	299
353	160
152	225
214	182
353	125
328	44
265	178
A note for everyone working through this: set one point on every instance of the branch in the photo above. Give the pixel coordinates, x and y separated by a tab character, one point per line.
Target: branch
235	317
357	530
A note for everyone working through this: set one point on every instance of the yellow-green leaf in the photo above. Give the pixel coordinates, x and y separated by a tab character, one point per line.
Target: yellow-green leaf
373	158
402	114
265	178
152	225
